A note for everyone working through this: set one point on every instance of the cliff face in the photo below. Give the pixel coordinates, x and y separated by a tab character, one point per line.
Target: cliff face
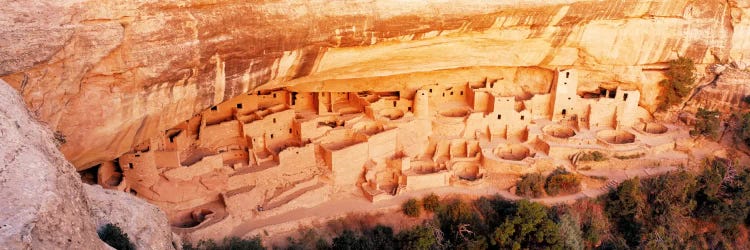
108	75
45	204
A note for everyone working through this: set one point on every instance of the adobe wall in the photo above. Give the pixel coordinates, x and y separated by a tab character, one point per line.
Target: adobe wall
298	156
539	106
425	181
413	136
221	135
204	166
603	113
140	168
383	144
347	164
564	95
300	101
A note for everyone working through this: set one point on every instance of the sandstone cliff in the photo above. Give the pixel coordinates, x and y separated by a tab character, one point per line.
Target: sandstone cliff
110	74
46	206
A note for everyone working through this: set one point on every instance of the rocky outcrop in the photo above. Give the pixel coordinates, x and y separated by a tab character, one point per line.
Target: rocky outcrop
109	75
46	206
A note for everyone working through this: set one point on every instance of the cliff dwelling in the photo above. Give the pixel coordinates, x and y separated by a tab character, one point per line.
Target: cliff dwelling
269	152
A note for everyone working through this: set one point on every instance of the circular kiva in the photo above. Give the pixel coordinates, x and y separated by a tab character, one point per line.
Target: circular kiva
559	131
654	128
616	136
391	113
515	152
455	112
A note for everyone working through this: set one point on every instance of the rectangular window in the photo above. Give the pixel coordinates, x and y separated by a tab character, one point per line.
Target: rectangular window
214	108
239	105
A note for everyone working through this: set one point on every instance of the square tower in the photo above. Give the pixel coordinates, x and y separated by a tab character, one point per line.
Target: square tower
564	95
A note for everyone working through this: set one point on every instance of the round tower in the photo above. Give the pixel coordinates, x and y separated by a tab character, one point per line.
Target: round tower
421	104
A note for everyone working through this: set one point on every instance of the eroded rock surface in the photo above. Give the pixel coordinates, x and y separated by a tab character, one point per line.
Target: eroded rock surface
46	206
110	75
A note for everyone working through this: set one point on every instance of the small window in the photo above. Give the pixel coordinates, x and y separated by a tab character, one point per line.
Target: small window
394	103
408	108
564	112
130	165
443	94
462	92
258	92
451	92
214	108
625	97
569	98
522	118
271	136
422	93
565	83
499	116
290	130
274	120
274	95
430	90
239	105
567	74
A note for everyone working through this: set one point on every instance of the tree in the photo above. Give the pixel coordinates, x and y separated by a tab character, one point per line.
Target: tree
624	207
562	182
570	233
531	185
706	123
743	132
529	227
680	79
417	238
411	208
114	237
431	202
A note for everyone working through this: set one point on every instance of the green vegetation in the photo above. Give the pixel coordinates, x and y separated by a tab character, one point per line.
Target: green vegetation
706	123
743	130
680	79
114	237
633	156
411	208
431	202
677	210
230	243
592	156
530	185
562	182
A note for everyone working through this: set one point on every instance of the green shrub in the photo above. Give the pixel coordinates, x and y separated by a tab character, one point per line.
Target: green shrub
706	123
680	79
530	185
633	156
411	208
431	202
592	156
229	243
562	182
114	237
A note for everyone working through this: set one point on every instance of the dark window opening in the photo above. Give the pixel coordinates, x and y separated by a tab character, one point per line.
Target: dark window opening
408	108
274	120
564	112
565	83
394	103
294	98
130	165
430	90
612	94
239	105
271	136
290	130
258	92
603	92
522	117
133	192
569	98
451	92
171	139
625	97
274	95
214	108
137	155
443	94
567	74
499	116
462	92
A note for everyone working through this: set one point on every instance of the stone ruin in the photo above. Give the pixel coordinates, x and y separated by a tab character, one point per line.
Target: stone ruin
271	151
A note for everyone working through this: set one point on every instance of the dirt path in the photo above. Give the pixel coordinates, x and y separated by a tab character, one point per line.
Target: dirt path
337	207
